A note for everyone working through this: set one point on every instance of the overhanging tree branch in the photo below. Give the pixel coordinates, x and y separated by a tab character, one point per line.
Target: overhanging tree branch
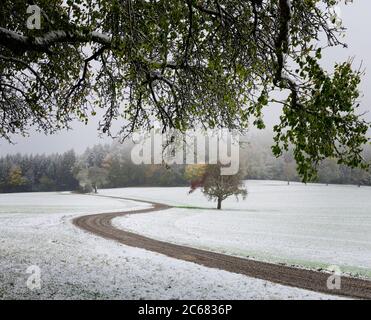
188	63
19	43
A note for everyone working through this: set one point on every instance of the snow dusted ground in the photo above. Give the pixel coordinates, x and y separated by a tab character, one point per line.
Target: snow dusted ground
310	225
36	230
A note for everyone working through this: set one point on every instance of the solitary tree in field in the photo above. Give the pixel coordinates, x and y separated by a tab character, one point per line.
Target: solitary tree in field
98	177
185	63
90	178
214	185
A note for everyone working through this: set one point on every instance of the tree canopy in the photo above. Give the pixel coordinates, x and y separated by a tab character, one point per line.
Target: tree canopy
213	184
184	63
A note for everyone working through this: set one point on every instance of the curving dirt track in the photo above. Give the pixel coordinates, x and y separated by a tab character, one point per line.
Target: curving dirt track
100	224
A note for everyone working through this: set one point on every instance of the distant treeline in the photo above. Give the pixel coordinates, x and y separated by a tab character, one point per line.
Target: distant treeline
99	166
257	156
29	173
110	166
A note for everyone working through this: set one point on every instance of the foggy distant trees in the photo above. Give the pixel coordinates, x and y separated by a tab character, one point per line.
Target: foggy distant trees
15	178
98	167
110	166
256	155
20	173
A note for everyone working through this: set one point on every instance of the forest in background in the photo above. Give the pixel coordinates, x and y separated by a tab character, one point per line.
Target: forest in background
110	166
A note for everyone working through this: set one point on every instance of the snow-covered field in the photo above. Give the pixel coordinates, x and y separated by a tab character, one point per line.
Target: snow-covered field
310	225
36	230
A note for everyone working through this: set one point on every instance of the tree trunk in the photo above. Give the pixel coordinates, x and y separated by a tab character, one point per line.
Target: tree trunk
95	189
219	203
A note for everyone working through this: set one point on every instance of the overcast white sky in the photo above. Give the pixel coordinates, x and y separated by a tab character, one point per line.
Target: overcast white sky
356	17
